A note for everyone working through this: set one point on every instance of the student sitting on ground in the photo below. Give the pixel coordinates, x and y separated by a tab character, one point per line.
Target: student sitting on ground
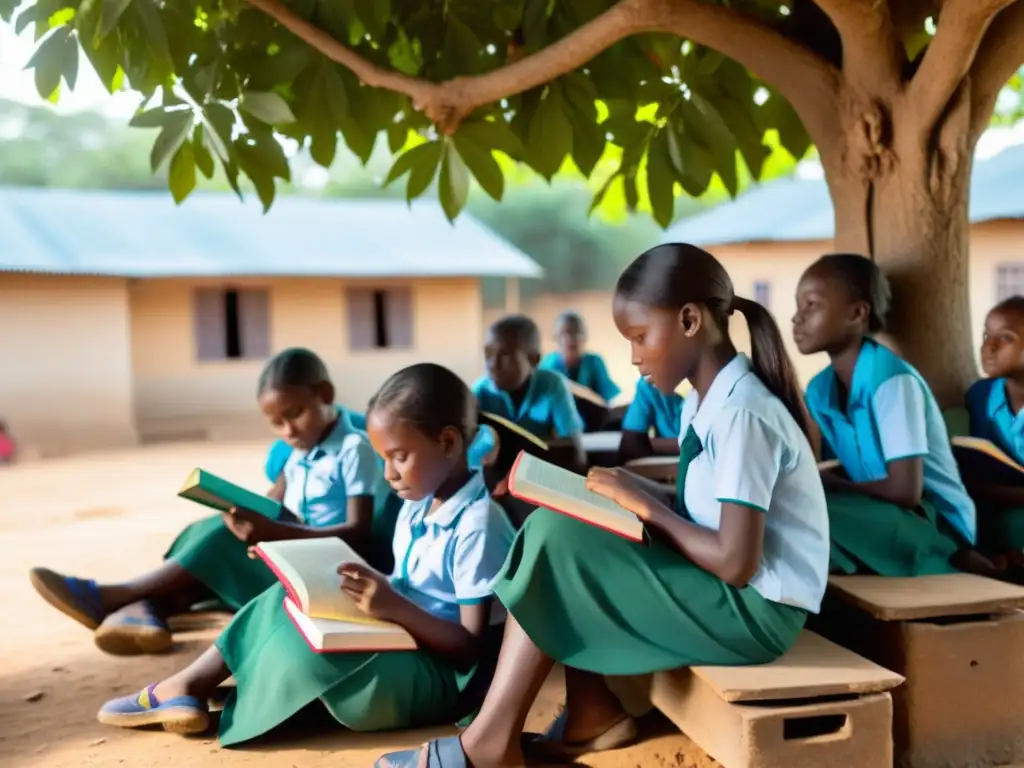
736	561
327	489
573	361
536	400
279	451
449	545
898	506
995	406
650	410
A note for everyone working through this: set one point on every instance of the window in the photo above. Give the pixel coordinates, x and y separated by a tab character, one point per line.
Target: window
1009	280
763	292
231	324
379	318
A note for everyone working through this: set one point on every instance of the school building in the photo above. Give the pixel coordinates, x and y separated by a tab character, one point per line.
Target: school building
770	234
127	319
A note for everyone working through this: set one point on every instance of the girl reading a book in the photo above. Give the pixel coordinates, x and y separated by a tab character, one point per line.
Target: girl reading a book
735	561
897	506
995	405
449	546
327	488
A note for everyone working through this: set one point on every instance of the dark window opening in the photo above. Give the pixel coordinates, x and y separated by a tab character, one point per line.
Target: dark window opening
232	326
380	319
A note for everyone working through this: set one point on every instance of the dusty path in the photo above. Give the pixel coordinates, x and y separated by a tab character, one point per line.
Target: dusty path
109	515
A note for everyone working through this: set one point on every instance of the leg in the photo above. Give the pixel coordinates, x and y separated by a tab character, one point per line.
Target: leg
494	737
591	709
170	584
199	679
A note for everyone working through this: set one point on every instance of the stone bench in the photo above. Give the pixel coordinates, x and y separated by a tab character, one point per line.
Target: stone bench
959	641
818	706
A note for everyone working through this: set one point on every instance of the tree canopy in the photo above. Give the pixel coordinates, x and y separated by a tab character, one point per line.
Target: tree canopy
221	78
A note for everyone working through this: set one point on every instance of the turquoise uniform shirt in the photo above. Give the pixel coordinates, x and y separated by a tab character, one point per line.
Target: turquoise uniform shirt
547	410
993	419
891	415
280	450
591	372
318	483
650	408
453	556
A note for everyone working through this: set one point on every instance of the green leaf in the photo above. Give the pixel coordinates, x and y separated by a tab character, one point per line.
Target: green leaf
661	179
461	48
588	138
334	94
204	159
181	177
792	134
481	164
492	134
375	15
170	139
220	123
550	137
631	192
405	55
250	161
231	174
453	187
508	14
69	65
156	38
698	168
110	13
157	117
360	140
48	61
268	106
421	153
398	135
323	146
25	17
705	125
744	128
423	170
601	193
535	24
7	9
271	155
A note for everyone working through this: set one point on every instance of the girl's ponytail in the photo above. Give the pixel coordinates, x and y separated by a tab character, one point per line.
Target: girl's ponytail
771	361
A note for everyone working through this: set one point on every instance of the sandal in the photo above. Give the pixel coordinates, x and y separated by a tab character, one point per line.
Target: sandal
551	744
74	597
441	753
182	714
130	634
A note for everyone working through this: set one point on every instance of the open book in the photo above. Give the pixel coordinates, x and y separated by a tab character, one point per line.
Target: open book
327	617
983	462
214	492
544	484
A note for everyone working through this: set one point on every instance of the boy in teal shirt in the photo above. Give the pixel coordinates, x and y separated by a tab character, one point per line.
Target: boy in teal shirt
571	359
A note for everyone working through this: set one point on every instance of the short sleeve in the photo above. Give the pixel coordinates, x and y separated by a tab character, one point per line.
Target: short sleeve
746	458
483	443
605	387
565	418
360	468
479	557
900	413
640	414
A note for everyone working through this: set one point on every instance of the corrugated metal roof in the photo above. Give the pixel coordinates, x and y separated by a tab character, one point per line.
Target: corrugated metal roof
794	209
143	234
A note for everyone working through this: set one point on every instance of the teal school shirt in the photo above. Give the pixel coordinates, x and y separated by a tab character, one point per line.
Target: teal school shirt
993	419
279	451
591	372
651	408
546	411
891	415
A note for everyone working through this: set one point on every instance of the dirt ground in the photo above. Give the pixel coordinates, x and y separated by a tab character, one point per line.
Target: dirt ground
108	516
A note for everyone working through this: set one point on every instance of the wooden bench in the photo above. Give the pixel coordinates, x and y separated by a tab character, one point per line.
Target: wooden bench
819	706
959	642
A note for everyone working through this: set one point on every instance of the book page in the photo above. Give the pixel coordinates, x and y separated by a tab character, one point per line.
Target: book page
310	566
333	635
511	426
545	483
987	447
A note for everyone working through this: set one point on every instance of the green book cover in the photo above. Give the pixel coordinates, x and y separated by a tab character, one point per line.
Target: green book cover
214	492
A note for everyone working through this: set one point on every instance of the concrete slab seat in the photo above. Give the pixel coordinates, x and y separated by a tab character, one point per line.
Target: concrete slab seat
959	641
818	706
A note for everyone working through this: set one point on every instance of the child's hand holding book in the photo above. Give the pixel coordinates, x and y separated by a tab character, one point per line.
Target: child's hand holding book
251	527
370	590
619	486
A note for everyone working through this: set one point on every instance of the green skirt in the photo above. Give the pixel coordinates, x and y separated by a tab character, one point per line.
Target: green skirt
1000	530
277	675
873	536
597	602
221	562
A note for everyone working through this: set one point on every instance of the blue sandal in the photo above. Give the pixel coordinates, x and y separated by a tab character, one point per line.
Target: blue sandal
125	634
182	714
441	753
74	597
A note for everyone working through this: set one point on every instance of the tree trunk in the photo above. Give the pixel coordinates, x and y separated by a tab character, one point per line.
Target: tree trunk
904	203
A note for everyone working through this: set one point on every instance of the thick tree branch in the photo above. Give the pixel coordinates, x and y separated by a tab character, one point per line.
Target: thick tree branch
873	55
948	60
808	82
1000	55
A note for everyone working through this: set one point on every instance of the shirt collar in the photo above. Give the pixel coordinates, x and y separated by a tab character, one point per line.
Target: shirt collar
332	442
717	395
448	513
997	400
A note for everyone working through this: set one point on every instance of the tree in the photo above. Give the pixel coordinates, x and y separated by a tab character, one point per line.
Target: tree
671	88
